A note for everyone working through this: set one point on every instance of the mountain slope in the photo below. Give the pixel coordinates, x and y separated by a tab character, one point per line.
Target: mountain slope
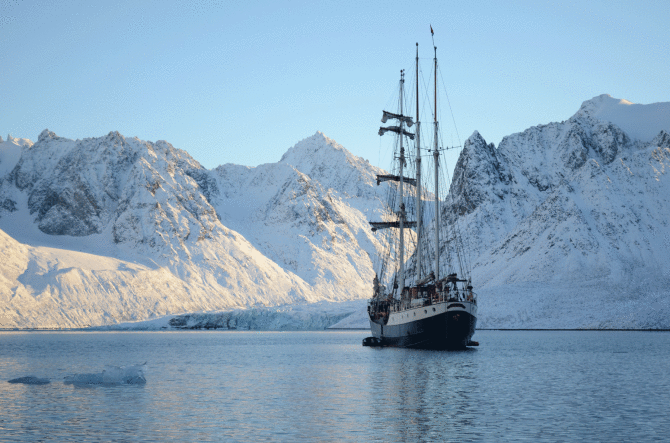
568	223
308	213
149	211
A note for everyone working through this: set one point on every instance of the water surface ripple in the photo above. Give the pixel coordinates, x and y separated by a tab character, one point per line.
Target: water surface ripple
324	386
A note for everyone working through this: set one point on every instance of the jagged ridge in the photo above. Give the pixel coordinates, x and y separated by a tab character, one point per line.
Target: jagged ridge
567	225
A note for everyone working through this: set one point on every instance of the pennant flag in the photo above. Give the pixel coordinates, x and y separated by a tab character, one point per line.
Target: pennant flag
431	30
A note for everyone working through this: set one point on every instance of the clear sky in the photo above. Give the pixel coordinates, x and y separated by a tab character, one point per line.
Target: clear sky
243	81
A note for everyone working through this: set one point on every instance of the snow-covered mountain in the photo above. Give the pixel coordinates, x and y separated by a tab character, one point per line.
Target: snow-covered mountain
308	213
111	229
568	223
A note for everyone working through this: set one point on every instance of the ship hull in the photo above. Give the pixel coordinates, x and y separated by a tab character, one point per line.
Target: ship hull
444	328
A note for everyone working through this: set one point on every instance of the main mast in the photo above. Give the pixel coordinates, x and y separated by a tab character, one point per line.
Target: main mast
418	174
437	195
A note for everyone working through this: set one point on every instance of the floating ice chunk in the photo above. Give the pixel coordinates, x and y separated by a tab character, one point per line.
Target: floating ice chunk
30	380
111	375
127	375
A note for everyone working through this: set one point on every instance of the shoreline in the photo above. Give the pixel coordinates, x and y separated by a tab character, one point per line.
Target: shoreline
112	329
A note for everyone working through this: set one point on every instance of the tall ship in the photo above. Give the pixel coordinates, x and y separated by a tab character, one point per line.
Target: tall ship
423	295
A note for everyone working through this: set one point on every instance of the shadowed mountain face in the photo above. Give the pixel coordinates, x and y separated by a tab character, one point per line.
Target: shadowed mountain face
567	224
143	192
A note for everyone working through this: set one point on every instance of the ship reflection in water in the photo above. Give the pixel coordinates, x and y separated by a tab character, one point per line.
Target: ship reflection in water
431	395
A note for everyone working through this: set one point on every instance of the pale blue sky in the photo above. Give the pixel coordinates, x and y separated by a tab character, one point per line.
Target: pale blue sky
241	82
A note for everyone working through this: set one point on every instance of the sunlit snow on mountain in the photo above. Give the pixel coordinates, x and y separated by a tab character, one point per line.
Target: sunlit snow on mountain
111	229
568	224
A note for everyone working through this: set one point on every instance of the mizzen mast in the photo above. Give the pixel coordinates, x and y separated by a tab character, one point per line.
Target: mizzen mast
436	155
401	213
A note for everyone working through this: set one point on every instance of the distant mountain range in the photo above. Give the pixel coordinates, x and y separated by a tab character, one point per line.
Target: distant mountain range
567	226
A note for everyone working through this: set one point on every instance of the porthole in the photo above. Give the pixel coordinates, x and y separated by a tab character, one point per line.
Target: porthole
433	309
425	311
415	314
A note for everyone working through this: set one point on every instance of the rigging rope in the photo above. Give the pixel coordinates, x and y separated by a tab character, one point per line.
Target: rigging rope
449	226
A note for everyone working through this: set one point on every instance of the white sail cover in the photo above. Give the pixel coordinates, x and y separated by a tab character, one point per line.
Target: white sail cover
387	115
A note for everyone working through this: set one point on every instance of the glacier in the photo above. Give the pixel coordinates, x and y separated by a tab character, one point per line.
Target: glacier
566	226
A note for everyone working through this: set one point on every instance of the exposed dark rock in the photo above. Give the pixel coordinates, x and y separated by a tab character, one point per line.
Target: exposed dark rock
8	205
478	170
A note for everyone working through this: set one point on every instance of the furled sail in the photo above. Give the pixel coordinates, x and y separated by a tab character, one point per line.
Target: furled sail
395	129
395	178
387	115
395	224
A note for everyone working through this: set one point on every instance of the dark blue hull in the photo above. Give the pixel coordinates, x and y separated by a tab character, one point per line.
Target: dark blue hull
447	330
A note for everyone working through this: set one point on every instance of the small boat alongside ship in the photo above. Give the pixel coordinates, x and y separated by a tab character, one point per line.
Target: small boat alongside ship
419	299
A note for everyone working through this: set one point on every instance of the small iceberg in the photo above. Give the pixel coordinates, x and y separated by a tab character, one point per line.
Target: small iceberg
111	375
30	380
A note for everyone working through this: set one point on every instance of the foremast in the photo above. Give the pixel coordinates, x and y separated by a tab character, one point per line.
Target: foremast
402	221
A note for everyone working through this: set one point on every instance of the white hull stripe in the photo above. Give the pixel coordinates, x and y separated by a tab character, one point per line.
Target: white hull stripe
398	318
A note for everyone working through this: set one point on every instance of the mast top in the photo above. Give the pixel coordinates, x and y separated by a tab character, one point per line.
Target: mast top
417	85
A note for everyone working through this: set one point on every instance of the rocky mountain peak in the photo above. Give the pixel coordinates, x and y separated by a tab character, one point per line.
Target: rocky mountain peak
331	164
46	134
476	137
311	148
17	141
662	140
478	168
13	142
115	135
598	103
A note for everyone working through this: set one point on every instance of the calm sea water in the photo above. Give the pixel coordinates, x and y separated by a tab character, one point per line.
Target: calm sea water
324	386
